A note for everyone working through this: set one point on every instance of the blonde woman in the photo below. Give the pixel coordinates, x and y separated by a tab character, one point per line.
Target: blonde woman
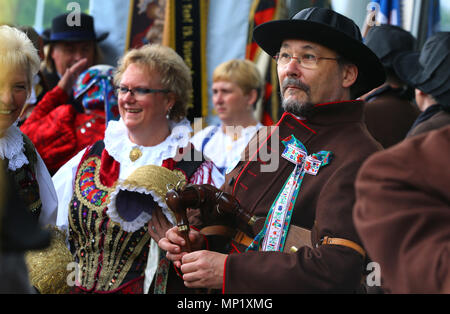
19	62
29	188
237	86
109	237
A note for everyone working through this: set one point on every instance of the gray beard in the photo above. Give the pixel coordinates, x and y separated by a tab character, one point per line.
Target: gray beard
300	109
303	110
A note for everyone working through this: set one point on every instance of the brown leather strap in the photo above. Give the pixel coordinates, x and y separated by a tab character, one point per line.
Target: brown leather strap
344	242
297	237
243	239
218	230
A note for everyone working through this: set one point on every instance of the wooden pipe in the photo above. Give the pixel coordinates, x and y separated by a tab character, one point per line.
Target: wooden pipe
211	201
176	204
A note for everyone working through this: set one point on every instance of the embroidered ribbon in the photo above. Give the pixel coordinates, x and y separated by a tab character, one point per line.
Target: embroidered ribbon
279	217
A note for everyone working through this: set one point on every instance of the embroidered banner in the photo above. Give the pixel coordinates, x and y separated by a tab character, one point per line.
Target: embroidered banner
263	11
185	31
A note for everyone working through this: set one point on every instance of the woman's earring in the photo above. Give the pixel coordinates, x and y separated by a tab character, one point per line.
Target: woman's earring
168	113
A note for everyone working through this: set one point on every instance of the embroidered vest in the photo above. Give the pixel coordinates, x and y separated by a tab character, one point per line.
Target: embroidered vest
108	256
25	178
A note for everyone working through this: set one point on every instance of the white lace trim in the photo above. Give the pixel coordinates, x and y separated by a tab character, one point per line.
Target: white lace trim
119	146
12	148
143	218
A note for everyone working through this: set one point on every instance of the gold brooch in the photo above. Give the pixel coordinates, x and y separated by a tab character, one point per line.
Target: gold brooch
135	154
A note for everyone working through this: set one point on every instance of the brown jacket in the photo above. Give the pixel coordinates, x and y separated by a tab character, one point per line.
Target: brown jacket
389	117
402	213
325	201
440	119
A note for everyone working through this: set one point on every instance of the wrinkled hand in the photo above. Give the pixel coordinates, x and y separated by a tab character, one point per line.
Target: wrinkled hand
203	269
158	225
175	245
70	76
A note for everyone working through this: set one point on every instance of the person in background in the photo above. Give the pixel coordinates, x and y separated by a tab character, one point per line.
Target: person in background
236	89
68	42
389	110
402	213
428	73
59	131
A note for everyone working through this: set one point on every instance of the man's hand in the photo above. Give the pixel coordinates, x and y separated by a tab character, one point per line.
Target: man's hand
70	76
175	245
158	225
203	269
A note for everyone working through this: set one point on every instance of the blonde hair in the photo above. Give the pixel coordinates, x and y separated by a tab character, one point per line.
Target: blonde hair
243	73
175	74
18	52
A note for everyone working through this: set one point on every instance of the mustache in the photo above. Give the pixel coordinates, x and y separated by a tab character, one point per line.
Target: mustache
289	82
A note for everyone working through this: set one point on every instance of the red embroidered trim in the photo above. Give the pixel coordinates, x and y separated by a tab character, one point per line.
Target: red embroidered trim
267	139
336	102
224	274
177	272
204	237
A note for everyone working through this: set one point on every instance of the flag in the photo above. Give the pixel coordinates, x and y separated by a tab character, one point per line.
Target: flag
389	12
434	17
263	11
185	26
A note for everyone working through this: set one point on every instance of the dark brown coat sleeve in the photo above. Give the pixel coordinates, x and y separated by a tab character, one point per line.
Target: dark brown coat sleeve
402	213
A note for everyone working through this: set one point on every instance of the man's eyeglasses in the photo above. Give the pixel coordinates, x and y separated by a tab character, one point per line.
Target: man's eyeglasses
306	60
139	91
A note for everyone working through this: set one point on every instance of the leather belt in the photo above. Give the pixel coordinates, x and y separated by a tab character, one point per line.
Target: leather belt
344	242
245	240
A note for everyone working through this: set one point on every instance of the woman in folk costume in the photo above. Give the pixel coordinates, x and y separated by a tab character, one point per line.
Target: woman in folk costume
110	191
19	62
58	130
31	181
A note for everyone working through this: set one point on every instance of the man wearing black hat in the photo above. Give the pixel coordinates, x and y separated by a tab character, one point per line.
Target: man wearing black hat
318	144
68	43
428	71
389	110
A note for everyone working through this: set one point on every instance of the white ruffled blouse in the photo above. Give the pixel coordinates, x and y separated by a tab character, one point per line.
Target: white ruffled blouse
12	148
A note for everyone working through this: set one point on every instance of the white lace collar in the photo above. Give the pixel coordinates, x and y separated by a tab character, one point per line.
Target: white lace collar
119	146
12	148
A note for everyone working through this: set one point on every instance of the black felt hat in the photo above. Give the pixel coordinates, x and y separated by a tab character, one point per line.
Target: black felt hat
388	41
429	69
66	28
330	29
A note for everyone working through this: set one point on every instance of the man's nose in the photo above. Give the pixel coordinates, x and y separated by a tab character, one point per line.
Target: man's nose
293	68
